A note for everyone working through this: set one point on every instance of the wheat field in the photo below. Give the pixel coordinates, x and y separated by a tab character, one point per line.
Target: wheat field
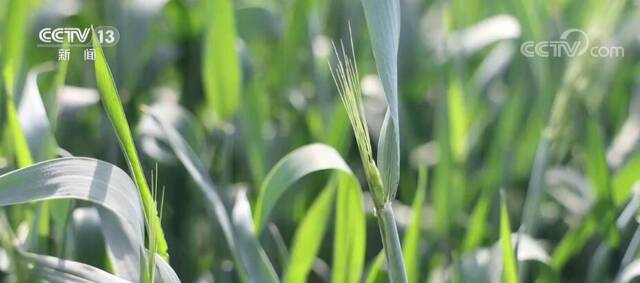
290	141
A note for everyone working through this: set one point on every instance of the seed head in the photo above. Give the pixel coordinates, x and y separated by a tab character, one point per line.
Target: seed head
347	80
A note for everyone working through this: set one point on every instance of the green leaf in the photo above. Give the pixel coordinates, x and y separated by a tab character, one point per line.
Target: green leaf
375	273
91	180
295	37
55	269
221	67
254	118
624	179
11	61
34	119
291	168
598	173
87	236
535	188
115	112
308	237
253	252
477	224
178	118
383	21
51	98
391	244
573	241
510	268
23	155
13	43
350	234
458	121
411	241
164	272
596	163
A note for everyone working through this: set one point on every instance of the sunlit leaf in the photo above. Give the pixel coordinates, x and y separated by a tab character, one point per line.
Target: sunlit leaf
510	265
115	112
411	241
383	21
221	66
308	237
297	164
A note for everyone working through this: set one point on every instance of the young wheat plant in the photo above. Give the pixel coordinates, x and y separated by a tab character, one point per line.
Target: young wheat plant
347	80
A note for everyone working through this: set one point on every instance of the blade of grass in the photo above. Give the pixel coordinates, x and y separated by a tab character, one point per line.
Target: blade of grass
115	112
12	53
391	244
33	116
308	237
13	45
63	270
88	243
281	250
350	224
51	99
350	234
18	124
221	69
254	115
294	166
23	155
383	22
374	275
442	202
458	121
244	228
598	172
411	241
624	178
509	264
596	164
101	183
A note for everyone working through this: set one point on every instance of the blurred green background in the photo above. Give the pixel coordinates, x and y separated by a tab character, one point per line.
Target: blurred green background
558	135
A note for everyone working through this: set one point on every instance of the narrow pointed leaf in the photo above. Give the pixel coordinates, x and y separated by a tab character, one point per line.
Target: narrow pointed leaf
34	120
243	224
98	182
375	273
411	241
115	112
291	168
308	237
383	21
221	67
56	270
510	270
350	234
